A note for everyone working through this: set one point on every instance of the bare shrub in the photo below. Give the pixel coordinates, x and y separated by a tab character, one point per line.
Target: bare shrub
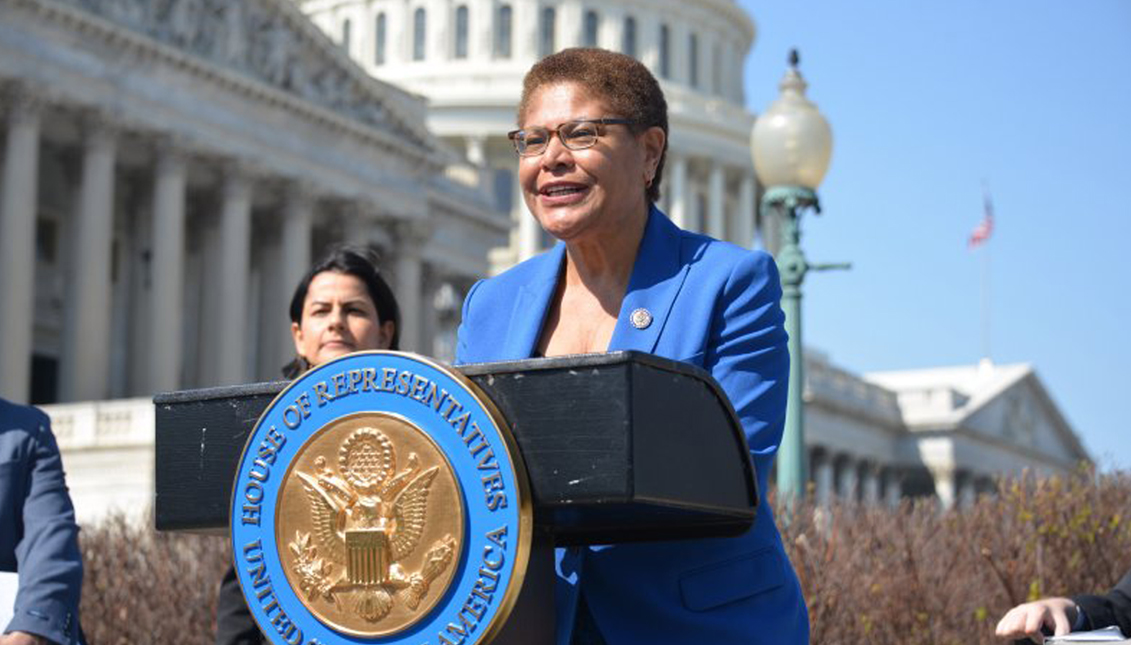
141	586
915	574
872	575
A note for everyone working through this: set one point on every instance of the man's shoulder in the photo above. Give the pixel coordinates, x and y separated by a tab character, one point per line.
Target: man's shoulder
14	416
22	427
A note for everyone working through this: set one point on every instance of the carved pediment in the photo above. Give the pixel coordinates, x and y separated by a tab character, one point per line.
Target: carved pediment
1023	415
270	41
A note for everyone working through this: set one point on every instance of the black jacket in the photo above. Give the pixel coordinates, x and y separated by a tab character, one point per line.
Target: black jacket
1112	608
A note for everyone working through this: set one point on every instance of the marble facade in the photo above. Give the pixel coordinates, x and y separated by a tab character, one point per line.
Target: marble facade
169	171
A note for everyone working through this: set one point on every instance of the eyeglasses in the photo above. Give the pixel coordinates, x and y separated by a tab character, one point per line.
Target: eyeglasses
575	135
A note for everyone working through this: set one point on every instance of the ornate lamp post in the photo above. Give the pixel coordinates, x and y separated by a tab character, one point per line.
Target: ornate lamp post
792	144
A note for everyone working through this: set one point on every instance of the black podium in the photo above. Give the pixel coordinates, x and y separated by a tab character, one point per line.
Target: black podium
618	447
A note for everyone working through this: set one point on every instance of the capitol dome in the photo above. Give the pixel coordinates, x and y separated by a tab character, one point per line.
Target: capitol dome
468	57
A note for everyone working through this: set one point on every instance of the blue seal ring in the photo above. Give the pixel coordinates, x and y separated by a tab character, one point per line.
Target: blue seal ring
491	563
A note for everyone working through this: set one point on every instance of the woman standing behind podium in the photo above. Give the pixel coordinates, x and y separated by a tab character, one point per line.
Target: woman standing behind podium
592	137
341	305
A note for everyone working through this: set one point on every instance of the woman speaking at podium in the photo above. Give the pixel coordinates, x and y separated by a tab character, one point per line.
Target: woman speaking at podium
592	136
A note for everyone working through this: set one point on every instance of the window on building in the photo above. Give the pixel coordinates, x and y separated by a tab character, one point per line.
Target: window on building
46	240
347	27
693	60
630	36
503	31
419	31
44	379
549	19
379	40
665	52
461	31
589	37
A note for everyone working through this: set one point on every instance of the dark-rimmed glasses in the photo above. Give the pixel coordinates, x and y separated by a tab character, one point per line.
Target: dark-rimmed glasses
578	134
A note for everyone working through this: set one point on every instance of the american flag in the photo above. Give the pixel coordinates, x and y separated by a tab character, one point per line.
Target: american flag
985	228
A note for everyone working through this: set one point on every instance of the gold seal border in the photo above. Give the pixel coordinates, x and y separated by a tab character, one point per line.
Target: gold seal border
525	506
279	500
518	470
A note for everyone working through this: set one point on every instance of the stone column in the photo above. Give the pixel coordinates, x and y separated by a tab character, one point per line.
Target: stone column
846	479
168	268
744	222
570	18
823	479
480	18
737	55
679	198
893	487
967	493
944	485
235	250
436	32
526	27
18	195
716	202
397	33
295	241
85	368
870	487
679	55
648	41
610	29
411	237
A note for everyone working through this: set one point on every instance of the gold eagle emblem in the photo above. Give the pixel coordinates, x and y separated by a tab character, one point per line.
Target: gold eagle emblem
367	518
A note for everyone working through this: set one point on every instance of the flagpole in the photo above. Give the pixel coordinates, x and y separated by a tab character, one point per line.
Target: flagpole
978	241
985	301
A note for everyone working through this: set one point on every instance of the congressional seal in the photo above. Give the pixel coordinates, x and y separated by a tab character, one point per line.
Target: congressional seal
381	498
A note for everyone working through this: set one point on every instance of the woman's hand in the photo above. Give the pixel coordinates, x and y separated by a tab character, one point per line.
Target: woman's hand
1026	621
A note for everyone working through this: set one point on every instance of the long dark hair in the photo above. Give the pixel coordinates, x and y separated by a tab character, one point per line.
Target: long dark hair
362	264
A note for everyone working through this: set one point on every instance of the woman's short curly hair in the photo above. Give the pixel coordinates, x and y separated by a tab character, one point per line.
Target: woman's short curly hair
624	83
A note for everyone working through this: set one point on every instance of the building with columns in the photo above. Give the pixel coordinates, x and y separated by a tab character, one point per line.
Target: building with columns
169	171
468	58
946	432
169	168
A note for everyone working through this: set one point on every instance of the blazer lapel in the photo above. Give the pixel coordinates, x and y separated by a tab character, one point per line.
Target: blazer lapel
531	304
657	277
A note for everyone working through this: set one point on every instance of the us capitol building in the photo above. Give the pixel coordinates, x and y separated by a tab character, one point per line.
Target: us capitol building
169	169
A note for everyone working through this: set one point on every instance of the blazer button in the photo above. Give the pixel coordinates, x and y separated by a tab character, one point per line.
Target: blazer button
641	318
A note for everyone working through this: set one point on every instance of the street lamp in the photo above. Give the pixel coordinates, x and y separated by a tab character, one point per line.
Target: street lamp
792	144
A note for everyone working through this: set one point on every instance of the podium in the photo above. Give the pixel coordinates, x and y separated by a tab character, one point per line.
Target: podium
617	447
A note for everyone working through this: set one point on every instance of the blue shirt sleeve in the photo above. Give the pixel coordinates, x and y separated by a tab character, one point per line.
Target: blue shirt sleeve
47	554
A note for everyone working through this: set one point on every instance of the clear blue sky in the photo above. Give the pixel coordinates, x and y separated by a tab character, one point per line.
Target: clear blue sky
926	101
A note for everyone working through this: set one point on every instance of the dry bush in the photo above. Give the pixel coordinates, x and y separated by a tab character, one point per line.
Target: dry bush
141	586
869	574
914	574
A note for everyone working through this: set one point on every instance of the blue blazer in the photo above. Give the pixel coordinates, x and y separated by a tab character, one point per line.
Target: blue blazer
714	305
38	534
